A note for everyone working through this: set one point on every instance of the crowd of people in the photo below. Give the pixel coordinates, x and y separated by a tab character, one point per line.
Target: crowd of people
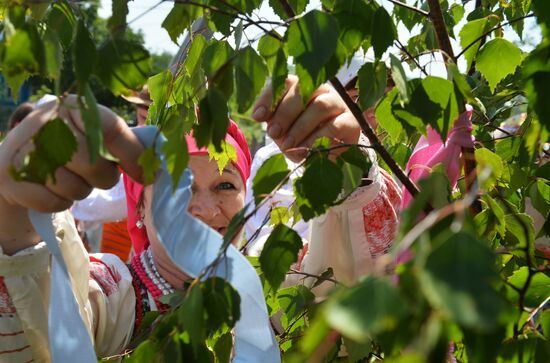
114	292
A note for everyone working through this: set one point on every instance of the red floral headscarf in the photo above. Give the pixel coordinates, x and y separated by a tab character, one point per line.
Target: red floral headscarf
134	190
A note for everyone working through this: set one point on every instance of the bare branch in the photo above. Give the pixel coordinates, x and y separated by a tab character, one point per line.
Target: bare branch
409	7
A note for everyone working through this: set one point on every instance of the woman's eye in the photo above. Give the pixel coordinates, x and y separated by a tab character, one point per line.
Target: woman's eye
226	186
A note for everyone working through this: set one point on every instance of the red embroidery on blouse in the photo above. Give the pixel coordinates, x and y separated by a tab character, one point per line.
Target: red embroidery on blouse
15	350
301	255
104	276
380	217
6	305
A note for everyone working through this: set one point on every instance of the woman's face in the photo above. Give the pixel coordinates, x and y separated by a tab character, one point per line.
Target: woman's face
216	198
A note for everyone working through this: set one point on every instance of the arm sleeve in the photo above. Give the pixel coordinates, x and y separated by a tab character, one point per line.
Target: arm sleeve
102	286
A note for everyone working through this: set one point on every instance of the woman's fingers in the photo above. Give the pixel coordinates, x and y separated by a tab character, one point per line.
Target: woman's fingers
118	139
263	108
68	185
76	179
320	112
293	125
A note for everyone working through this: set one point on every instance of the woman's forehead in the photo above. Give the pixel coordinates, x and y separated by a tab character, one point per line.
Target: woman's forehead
204	161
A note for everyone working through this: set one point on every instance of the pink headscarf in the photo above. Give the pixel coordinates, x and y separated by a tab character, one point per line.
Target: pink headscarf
234	136
431	151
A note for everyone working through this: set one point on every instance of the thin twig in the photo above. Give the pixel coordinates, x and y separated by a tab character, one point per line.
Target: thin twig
410	7
404	49
318	277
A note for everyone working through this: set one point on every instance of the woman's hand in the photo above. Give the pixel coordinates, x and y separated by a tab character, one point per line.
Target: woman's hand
295	127
74	180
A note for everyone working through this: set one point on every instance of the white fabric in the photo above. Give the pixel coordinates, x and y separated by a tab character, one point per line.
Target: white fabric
102	206
284	197
108	314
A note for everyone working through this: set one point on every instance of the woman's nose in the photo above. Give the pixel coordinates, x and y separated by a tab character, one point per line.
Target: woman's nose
204	205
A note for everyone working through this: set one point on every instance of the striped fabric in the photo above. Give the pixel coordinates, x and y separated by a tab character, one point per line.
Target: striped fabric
116	240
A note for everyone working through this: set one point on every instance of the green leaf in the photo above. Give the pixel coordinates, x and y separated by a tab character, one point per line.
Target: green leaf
470	33
355	23
148	351
543	171
508	148
279	253
62	21
23	55
54	146
542	10
190	86
311	40
159	86
538	291
461	84
279	215
321	195
498	212
84	53
175	148
538	92
275	55
117	21
213	119
383	31
520	232
223	157
250	76
180	18
53	54
123	65
435	102
371	83
400	79
238	35
150	162
457	278
223	348
540	197
489	168
235	226
191	316
497	59
458	12
354	164
357	352
217	63
294	301
386	118
366	309
221	304
92	122
272	172
297	6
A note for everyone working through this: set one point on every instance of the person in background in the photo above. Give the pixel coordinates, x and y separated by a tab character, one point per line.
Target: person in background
142	101
348	238
19	114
